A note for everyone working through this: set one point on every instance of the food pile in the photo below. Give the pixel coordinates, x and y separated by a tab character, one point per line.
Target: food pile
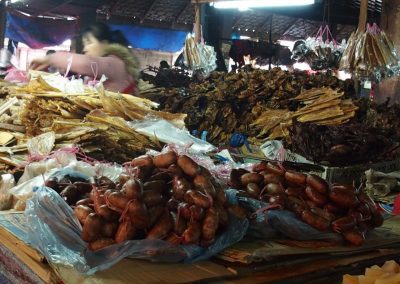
320	106
166	196
388	273
368	52
348	144
96	121
228	103
343	209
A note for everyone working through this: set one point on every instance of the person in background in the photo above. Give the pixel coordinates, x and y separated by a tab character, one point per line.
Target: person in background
105	53
51	69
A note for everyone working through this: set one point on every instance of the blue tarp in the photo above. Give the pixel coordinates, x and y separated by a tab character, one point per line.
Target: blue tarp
152	38
38	32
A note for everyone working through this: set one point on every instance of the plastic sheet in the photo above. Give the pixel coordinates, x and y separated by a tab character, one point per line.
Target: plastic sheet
168	133
270	224
55	231
6	198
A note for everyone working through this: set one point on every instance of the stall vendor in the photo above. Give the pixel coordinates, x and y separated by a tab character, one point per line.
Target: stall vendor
105	53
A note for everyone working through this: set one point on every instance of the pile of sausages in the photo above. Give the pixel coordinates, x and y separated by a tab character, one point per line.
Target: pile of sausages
340	208
167	197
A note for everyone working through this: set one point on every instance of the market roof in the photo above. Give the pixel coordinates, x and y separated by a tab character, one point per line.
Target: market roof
179	14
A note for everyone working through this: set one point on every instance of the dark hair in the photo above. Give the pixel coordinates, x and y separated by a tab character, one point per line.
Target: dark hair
102	32
50	51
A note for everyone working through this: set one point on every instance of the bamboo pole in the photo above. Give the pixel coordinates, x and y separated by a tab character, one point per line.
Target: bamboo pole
362	20
197	23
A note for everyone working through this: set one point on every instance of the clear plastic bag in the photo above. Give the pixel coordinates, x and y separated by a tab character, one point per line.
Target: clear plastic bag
270	224
55	231
6	198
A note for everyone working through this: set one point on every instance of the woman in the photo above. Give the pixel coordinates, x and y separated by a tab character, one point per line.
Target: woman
105	53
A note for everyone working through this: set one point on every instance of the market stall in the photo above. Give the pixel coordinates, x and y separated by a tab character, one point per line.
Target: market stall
252	176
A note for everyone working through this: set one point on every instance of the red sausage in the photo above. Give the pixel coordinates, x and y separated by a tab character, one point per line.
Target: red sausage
189	167
162	228
164	160
355	237
315	196
343	199
314	220
192	234
318	183
295	178
274	169
198	198
210	224
343	224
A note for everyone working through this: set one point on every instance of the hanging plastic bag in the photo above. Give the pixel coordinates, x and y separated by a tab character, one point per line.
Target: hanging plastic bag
199	56
55	231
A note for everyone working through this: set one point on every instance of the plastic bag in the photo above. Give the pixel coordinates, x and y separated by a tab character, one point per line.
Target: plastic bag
199	56
168	133
270	224
55	231
6	198
37	173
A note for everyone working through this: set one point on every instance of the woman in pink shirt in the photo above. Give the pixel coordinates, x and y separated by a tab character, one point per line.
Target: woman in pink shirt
105	53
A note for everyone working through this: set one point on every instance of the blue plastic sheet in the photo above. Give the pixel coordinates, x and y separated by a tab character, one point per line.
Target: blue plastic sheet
273	224
55	231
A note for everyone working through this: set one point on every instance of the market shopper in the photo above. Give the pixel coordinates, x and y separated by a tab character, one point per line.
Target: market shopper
105	53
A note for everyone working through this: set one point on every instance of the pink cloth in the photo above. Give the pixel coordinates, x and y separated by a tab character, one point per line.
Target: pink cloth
111	66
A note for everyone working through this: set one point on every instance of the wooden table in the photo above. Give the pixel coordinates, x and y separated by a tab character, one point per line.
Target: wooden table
22	264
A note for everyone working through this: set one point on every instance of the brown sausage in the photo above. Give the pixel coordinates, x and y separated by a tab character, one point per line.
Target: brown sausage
355	237
156	185
210	224
296	205
221	196
154	214
133	189
334	209
107	213
105	182
253	190
179	224
295	178
273	178
153	198
86	201
83	187
179	186
192	234
165	176
81	212
138	214
223	216
204	184
314	220
324	214
251	178
278	199
142	172
259	167
164	160
100	244
70	194
145	160
110	229
377	219
172	204
198	198
315	196
296	192
175	170
274	169
343	224
237	211
184	210
126	231
188	166
92	227
317	183
162	227
196	212
273	189
343	199
118	201
234	180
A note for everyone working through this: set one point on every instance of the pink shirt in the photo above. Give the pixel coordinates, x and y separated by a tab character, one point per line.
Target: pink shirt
118	78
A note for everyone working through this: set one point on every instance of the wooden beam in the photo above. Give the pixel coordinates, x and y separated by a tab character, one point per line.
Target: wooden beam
265	22
148	11
362	20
